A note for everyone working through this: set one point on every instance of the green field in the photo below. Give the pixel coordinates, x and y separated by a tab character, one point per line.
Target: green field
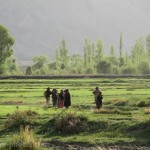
124	119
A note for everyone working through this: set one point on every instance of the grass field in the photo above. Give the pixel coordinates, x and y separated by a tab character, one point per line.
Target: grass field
124	119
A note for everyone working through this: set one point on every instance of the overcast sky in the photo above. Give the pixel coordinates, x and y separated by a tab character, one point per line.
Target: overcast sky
39	25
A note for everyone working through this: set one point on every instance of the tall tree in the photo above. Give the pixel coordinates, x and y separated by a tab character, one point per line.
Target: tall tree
138	51
57	58
147	56
62	54
99	52
86	51
120	46
148	44
112	57
89	53
112	51
6	43
76	64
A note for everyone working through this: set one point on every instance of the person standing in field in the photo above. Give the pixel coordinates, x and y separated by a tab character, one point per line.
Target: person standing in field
61	99
47	94
67	98
98	97
55	97
99	100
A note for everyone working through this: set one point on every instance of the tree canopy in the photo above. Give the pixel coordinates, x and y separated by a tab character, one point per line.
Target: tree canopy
6	43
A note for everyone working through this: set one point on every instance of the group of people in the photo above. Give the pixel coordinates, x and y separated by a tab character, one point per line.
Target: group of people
61	99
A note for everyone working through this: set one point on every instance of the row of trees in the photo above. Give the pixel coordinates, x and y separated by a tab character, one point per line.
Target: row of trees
94	60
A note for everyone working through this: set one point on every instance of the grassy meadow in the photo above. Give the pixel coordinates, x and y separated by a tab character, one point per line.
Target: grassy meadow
123	120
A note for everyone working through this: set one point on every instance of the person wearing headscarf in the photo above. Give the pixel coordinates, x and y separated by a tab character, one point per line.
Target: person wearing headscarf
55	98
47	94
61	99
67	98
97	94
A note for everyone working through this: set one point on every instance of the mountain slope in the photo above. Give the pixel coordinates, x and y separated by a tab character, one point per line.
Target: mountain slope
38	26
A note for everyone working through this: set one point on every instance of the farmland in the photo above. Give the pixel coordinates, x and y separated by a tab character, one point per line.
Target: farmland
124	119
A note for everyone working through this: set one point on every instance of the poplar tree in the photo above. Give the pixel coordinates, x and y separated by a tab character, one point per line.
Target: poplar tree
120	46
99	52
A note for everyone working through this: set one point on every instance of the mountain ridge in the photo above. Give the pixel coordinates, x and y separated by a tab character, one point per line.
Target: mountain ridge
38	26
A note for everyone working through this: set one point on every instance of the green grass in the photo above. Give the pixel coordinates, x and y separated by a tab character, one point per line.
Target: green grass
120	122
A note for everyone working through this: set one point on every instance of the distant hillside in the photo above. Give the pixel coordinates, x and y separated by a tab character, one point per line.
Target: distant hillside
39	25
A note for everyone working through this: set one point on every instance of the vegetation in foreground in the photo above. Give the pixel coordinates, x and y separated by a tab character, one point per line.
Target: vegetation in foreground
123	121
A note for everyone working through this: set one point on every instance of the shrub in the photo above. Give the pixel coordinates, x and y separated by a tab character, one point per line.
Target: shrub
69	122
19	118
141	104
24	140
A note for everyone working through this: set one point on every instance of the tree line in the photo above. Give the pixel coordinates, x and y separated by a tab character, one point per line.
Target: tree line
93	61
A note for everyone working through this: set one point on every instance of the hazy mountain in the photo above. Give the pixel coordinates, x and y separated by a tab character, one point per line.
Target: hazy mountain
39	25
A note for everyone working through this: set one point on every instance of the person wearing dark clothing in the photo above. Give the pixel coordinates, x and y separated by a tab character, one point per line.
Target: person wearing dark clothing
99	101
96	92
61	99
47	94
67	98
55	98
98	97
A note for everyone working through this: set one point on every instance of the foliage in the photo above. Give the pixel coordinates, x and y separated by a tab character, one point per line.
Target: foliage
144	67
69	122
24	140
29	70
6	43
13	67
20	118
104	67
40	65
141	104
129	70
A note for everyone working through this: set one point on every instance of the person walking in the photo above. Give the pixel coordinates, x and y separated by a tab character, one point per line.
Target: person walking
47	94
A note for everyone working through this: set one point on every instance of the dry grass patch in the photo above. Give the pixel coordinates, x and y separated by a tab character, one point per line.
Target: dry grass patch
106	111
24	140
147	110
120	102
11	102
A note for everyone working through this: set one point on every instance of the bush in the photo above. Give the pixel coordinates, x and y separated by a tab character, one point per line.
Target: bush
129	70
23	140
141	104
69	122
19	118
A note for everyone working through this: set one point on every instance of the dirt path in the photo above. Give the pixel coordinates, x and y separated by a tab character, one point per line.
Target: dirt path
58	145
